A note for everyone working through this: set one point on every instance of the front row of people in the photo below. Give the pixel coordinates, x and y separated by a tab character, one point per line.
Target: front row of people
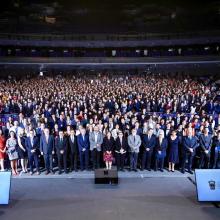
73	147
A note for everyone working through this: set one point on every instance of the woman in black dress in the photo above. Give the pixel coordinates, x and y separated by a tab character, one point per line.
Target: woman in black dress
173	150
22	152
108	147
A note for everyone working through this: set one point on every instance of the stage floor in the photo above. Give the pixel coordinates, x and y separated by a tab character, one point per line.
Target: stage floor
133	199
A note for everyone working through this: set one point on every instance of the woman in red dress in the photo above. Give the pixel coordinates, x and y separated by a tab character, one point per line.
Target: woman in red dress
108	147
2	150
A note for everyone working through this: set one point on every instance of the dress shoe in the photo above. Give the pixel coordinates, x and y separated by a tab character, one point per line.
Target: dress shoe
190	171
161	170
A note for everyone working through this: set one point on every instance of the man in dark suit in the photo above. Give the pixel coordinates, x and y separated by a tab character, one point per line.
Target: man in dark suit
47	149
190	143
61	150
120	150
83	146
73	150
216	151
32	144
205	142
149	142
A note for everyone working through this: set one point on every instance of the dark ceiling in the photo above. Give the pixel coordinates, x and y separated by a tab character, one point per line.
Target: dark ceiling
102	16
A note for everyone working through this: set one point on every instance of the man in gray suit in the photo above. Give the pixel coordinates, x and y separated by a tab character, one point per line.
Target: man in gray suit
95	139
134	143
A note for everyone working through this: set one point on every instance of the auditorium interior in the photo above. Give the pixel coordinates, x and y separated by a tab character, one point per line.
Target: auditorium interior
110	109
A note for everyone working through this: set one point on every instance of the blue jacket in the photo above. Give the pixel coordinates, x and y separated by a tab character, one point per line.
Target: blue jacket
83	144
190	144
30	147
205	142
45	147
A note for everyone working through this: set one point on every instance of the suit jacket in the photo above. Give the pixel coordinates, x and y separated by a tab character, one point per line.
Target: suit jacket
205	142
119	145
161	146
190	144
73	145
93	143
134	143
83	143
149	143
45	147
30	147
61	145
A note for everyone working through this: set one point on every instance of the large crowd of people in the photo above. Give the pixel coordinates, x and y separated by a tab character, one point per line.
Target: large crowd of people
134	121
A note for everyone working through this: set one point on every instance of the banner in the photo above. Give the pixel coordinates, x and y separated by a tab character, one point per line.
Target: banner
5	185
208	185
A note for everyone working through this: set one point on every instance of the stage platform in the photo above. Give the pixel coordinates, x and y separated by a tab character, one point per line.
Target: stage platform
142	195
90	175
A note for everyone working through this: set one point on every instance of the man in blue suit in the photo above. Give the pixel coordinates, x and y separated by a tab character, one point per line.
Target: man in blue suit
190	143
32	144
47	149
149	142
83	145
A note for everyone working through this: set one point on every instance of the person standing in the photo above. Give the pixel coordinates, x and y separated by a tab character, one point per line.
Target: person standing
149	142
95	140
11	146
161	148
73	151
190	143
22	152
134	143
108	148
47	150
120	150
2	150
173	156
83	146
61	150
217	151
205	142
32	145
